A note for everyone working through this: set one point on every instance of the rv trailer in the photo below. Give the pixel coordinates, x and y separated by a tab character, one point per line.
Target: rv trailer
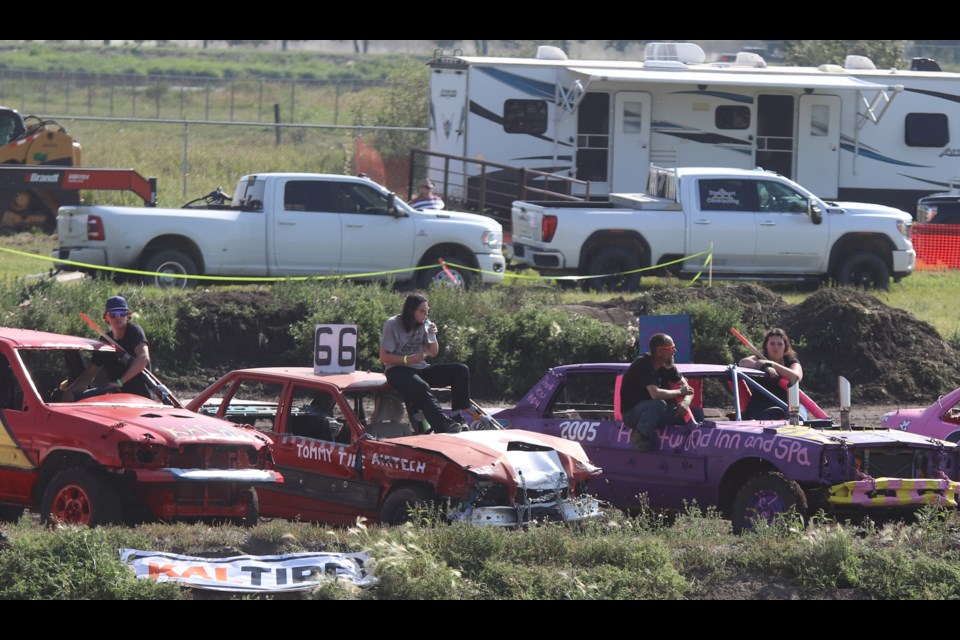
848	133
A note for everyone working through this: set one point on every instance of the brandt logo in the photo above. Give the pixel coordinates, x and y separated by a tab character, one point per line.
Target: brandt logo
43	177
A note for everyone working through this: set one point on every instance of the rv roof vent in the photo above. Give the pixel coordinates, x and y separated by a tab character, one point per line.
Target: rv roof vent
686	52
859	62
751	59
546	52
830	68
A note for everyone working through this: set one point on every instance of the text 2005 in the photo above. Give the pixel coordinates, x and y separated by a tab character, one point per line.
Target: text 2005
577	430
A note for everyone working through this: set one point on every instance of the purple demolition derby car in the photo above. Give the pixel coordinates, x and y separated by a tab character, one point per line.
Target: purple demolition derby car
748	470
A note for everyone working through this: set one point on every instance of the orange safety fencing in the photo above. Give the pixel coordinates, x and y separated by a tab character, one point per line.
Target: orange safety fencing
937	246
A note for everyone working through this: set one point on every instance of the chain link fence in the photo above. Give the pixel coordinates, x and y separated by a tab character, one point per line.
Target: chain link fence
182	97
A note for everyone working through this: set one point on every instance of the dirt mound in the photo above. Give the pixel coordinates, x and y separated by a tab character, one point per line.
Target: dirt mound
886	353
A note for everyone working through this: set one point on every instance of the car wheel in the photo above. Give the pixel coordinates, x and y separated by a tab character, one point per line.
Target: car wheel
170	263
618	261
400	505
765	497
446	275
864	269
78	496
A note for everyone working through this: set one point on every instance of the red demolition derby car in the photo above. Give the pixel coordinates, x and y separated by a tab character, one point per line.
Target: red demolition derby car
114	458
345	445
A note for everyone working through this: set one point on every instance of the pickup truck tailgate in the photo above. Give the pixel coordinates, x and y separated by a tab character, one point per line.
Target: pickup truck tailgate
72	226
526	223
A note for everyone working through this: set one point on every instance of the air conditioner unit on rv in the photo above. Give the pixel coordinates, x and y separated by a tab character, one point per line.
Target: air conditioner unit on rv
859	62
546	52
751	59
686	52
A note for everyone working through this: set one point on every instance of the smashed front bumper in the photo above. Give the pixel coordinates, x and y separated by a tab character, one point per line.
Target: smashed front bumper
571	510
896	492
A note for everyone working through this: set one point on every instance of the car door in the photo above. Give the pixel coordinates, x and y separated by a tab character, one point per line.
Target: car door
583	409
316	451
373	240
787	239
723	220
306	229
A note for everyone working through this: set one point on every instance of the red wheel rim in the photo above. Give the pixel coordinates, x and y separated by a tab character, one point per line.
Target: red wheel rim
71	505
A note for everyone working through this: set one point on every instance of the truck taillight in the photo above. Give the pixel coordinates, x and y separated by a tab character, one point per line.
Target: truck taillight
94	228
548	227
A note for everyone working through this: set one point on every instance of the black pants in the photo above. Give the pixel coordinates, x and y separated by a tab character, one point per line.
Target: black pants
415	384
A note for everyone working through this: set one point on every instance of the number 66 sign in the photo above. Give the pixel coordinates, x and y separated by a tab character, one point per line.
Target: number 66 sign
335	348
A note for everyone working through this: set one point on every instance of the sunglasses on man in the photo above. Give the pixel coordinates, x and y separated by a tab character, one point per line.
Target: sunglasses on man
118	314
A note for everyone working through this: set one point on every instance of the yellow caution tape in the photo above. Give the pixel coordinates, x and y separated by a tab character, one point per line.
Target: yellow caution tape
95	267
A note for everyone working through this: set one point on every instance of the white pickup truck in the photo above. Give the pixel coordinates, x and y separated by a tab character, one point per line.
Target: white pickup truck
757	224
287	224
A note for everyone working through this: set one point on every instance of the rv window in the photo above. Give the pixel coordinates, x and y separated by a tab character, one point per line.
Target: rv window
525	116
732	117
926	130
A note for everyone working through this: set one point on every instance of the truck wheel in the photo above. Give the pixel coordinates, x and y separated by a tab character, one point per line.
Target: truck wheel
864	269
77	496
764	497
439	275
171	263
614	260
397	507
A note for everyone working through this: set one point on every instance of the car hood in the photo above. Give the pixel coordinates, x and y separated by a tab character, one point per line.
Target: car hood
873	209
894	419
860	436
459	216
535	456
171	426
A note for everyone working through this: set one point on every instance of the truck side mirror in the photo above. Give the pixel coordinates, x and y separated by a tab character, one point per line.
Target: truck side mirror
392	205
815	211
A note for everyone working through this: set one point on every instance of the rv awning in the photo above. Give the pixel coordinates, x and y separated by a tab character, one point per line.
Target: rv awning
741	78
873	99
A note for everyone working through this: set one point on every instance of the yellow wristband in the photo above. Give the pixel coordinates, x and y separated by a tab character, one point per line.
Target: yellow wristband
404	359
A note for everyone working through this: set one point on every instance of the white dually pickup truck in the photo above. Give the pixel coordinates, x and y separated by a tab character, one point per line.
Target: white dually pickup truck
757	224
286	224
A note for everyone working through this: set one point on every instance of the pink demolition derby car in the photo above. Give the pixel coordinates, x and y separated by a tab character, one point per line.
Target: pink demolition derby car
940	420
748	470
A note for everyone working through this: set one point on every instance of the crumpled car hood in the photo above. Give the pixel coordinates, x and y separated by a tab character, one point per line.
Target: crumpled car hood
536	457
171	426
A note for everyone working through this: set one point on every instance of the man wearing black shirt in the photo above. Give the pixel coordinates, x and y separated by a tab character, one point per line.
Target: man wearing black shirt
645	393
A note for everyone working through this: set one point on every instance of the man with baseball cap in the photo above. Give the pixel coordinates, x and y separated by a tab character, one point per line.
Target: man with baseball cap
124	370
427	198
